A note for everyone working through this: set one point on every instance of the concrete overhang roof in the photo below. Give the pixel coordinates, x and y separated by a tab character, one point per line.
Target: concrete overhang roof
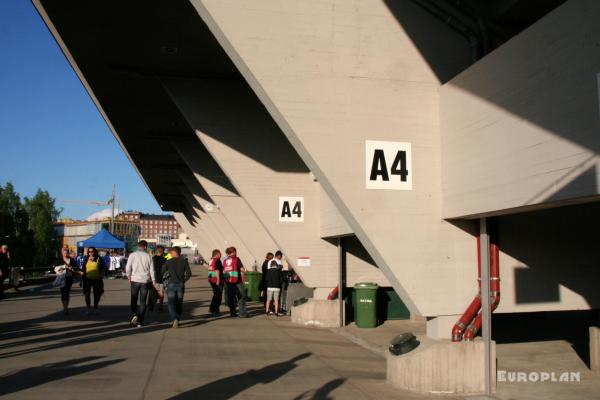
121	50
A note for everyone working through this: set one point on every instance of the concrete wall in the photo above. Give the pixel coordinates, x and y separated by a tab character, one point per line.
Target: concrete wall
331	221
442	367
360	267
261	164
549	259
520	127
334	74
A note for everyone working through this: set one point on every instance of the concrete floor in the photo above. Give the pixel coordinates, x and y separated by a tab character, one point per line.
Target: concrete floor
544	356
45	355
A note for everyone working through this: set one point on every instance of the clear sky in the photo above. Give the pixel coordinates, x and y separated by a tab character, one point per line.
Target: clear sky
51	135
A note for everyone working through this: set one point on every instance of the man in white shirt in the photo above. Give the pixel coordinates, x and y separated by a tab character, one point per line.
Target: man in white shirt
140	272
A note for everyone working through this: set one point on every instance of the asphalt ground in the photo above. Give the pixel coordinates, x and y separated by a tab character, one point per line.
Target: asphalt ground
47	355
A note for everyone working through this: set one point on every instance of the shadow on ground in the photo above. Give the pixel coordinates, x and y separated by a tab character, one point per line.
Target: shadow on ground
231	386
35	376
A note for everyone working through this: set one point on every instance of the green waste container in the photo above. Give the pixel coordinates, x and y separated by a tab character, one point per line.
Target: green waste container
252	286
366	305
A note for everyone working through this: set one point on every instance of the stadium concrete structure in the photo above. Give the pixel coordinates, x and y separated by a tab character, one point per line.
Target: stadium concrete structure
379	132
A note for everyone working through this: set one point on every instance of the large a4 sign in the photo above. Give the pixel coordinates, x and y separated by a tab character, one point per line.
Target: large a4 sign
291	209
388	165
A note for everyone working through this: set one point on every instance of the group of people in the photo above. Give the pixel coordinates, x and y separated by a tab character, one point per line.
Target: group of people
226	277
91	270
151	278
154	277
274	284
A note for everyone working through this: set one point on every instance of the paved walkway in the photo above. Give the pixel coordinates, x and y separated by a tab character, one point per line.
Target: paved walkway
44	354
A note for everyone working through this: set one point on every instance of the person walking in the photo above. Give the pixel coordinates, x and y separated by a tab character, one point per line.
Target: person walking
4	268
233	273
91	277
178	272
215	271
263	281
157	292
68	266
274	283
140	272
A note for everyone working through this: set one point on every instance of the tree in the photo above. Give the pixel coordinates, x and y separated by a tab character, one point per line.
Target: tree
42	213
10	204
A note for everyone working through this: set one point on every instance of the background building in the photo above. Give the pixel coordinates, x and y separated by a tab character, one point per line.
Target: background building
158	229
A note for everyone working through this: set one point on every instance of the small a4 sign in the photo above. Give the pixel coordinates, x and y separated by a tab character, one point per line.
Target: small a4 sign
388	165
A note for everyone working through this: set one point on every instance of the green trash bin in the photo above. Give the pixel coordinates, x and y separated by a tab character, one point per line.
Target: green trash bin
366	305
252	285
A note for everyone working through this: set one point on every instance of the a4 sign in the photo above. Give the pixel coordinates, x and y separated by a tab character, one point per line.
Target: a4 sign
388	165
291	209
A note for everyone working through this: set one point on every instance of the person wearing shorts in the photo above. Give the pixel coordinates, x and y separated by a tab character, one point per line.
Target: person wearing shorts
274	281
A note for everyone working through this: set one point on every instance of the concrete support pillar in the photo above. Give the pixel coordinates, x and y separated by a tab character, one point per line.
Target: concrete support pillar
595	348
198	236
263	167
206	177
216	221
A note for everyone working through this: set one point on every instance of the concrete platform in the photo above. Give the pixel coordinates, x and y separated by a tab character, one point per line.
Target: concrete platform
45	355
554	356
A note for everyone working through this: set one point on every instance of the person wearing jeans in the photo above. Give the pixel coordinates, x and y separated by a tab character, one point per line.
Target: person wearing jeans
140	272
139	290
175	292
179	272
233	274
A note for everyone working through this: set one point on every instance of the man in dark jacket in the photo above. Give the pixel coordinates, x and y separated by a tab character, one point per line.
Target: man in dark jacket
178	270
157	292
263	281
274	282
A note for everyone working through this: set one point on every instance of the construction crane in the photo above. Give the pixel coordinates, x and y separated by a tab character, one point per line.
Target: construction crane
109	202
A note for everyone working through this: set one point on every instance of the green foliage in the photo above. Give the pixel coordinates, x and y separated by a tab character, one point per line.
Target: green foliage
27	227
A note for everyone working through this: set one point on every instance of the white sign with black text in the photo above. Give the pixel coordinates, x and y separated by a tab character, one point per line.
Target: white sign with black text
291	209
388	165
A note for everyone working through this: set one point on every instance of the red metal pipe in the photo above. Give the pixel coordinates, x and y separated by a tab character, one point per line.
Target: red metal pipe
471	311
494	292
334	293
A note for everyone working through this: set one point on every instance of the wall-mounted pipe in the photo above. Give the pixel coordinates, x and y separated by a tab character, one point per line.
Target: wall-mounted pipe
334	293
469	323
475	326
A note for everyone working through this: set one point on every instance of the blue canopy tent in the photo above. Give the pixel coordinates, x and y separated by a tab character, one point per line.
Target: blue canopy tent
102	240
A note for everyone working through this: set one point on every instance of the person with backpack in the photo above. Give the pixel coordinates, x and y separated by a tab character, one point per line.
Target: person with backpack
215	271
274	283
176	271
233	274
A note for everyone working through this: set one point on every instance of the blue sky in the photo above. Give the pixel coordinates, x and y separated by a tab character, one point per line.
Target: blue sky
51	135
